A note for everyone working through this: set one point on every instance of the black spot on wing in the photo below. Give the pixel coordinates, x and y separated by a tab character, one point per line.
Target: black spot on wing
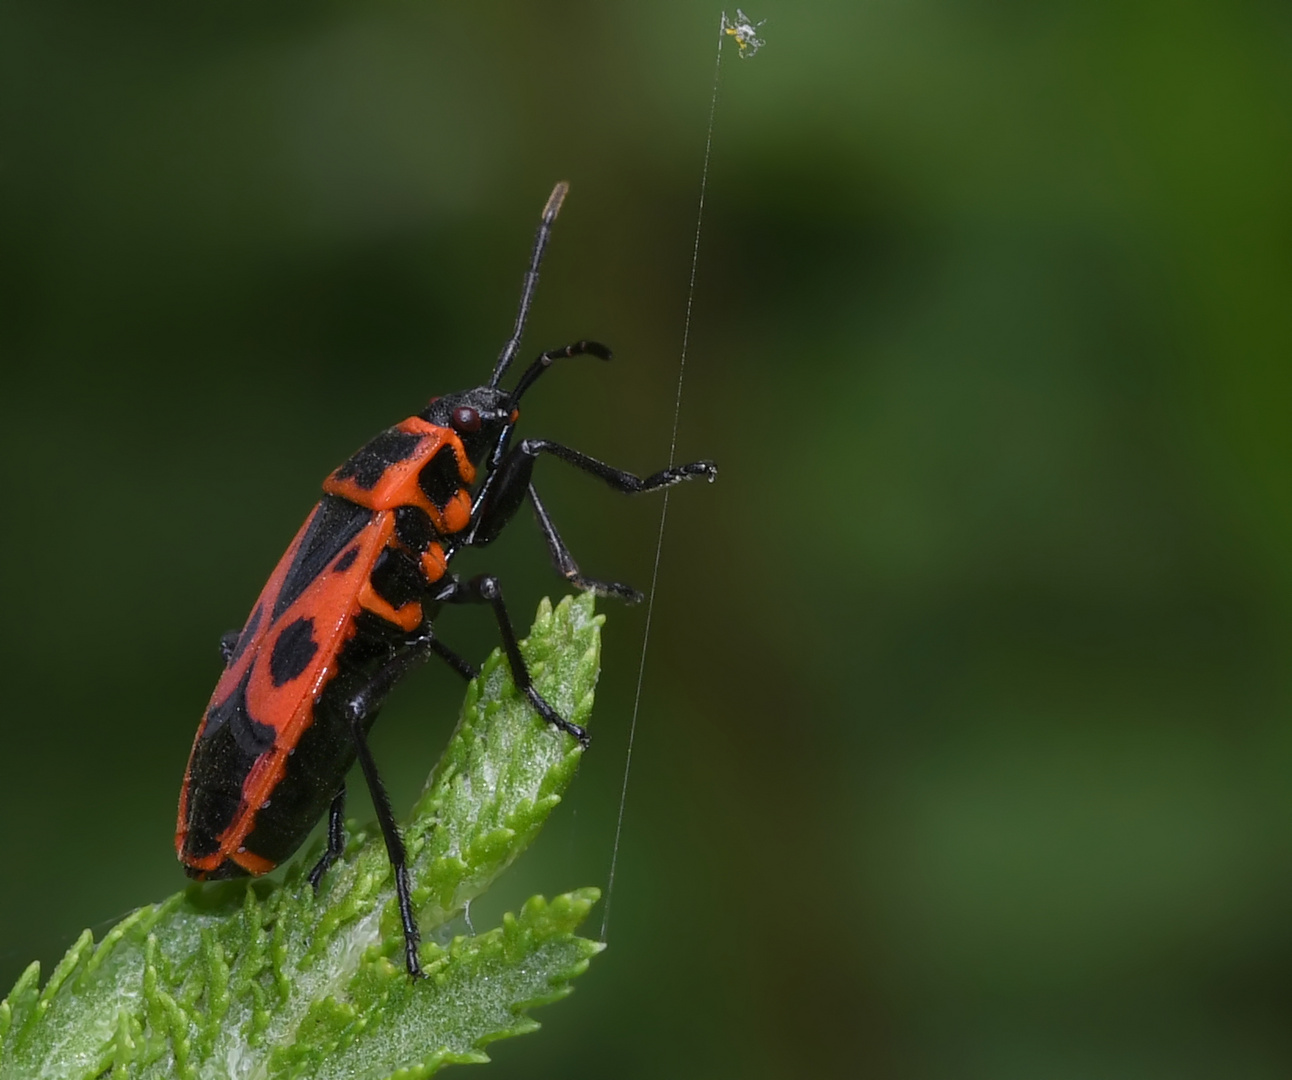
368	465
396	578
413	528
345	561
232	716
440	477
336	522
292	652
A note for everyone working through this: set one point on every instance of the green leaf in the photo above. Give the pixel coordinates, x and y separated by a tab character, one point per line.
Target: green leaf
263	980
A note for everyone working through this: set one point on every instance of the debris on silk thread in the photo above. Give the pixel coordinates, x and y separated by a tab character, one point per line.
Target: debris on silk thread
743	29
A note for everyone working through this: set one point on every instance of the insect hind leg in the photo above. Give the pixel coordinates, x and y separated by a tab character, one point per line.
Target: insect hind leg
359	711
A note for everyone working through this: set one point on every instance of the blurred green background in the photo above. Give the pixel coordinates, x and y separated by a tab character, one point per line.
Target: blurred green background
964	746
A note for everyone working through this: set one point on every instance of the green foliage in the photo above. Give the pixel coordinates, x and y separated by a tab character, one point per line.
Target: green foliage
264	980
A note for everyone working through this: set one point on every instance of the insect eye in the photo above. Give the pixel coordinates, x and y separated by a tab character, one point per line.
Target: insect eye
466	419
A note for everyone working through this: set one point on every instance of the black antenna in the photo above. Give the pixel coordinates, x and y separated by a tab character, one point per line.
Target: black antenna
541	238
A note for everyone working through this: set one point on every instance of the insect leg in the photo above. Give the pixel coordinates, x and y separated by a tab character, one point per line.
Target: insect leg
486	590
618	479
394	844
564	561
359	712
463	667
365	701
510	482
335	839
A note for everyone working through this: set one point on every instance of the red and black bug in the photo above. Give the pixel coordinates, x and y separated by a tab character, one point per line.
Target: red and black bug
349	609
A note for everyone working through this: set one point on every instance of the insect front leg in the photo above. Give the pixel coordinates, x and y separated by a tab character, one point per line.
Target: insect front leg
510	483
619	479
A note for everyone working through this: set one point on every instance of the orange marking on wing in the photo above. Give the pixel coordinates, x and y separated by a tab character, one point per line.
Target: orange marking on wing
252	863
331	600
228	682
205	864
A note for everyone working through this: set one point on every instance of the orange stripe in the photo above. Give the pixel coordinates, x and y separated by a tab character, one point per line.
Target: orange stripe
252	864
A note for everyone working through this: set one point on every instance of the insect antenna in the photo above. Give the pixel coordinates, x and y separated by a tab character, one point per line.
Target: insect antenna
541	238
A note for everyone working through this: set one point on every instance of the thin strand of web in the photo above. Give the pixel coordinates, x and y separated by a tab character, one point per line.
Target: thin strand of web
663	514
